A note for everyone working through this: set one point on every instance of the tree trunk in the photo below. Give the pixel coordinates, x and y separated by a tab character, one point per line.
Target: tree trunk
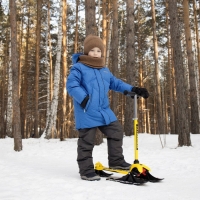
64	70
115	44
51	124
191	66
24	86
110	23
9	109
37	63
20	53
47	63
197	42
197	33
130	65
157	74
90	19
141	113
76	29
49	67
2	105
104	26
99	19
171	99
121	64
9	119
182	106
99	137
15	80
71	133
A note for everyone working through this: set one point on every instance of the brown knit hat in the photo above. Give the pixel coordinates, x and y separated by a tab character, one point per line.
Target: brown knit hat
92	41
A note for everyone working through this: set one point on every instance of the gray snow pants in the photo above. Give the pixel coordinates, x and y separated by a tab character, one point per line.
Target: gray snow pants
114	133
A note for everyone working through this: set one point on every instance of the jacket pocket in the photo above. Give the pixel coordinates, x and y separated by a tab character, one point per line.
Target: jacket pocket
88	103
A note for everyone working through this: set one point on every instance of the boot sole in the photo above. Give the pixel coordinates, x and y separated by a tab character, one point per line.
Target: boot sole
91	179
119	167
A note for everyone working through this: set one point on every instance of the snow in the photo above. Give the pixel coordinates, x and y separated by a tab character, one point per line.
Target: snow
47	170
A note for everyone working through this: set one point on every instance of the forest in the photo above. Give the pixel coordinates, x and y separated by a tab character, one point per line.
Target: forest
152	44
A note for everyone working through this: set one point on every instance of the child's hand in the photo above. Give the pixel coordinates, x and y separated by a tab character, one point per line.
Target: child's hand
141	92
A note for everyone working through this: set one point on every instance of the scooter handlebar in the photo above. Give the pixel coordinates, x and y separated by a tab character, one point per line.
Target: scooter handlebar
132	94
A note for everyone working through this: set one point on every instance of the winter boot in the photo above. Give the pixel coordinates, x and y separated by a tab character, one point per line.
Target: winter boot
124	165
91	177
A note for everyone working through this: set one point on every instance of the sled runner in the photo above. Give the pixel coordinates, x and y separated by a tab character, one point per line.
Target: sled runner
138	174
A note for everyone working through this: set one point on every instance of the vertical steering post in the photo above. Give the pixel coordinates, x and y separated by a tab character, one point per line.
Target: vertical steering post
135	130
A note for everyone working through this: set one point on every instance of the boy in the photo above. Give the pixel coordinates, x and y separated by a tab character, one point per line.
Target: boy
88	83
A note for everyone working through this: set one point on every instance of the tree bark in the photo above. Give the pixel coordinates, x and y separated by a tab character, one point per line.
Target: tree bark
157	73
51	124
90	19
15	80
76	29
24	87
115	45
182	106
2	104
192	77
9	120
37	63
130	65
64	69
197	34
142	111
104	26
110	23
171	99
197	42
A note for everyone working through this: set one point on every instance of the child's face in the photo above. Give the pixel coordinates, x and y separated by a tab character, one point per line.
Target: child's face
95	52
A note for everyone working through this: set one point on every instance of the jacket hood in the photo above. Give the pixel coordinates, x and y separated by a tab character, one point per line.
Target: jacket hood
75	58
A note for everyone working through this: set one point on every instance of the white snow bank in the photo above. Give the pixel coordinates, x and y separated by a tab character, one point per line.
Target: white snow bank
47	170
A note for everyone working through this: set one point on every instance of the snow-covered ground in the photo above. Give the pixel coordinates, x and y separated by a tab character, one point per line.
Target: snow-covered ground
47	170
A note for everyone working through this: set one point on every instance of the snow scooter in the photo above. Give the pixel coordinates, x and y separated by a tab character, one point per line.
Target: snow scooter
138	174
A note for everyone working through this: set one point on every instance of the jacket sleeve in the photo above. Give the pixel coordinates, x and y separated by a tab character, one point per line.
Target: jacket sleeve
118	85
73	84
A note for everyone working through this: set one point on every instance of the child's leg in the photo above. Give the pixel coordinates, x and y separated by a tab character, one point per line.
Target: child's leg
85	148
114	133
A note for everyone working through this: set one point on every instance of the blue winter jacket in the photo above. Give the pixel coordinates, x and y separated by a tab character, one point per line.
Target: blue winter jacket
84	80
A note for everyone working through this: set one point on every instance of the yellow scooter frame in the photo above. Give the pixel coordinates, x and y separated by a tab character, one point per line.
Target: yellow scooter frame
138	173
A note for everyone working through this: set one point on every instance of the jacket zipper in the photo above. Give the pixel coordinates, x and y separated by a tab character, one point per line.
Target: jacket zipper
104	92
